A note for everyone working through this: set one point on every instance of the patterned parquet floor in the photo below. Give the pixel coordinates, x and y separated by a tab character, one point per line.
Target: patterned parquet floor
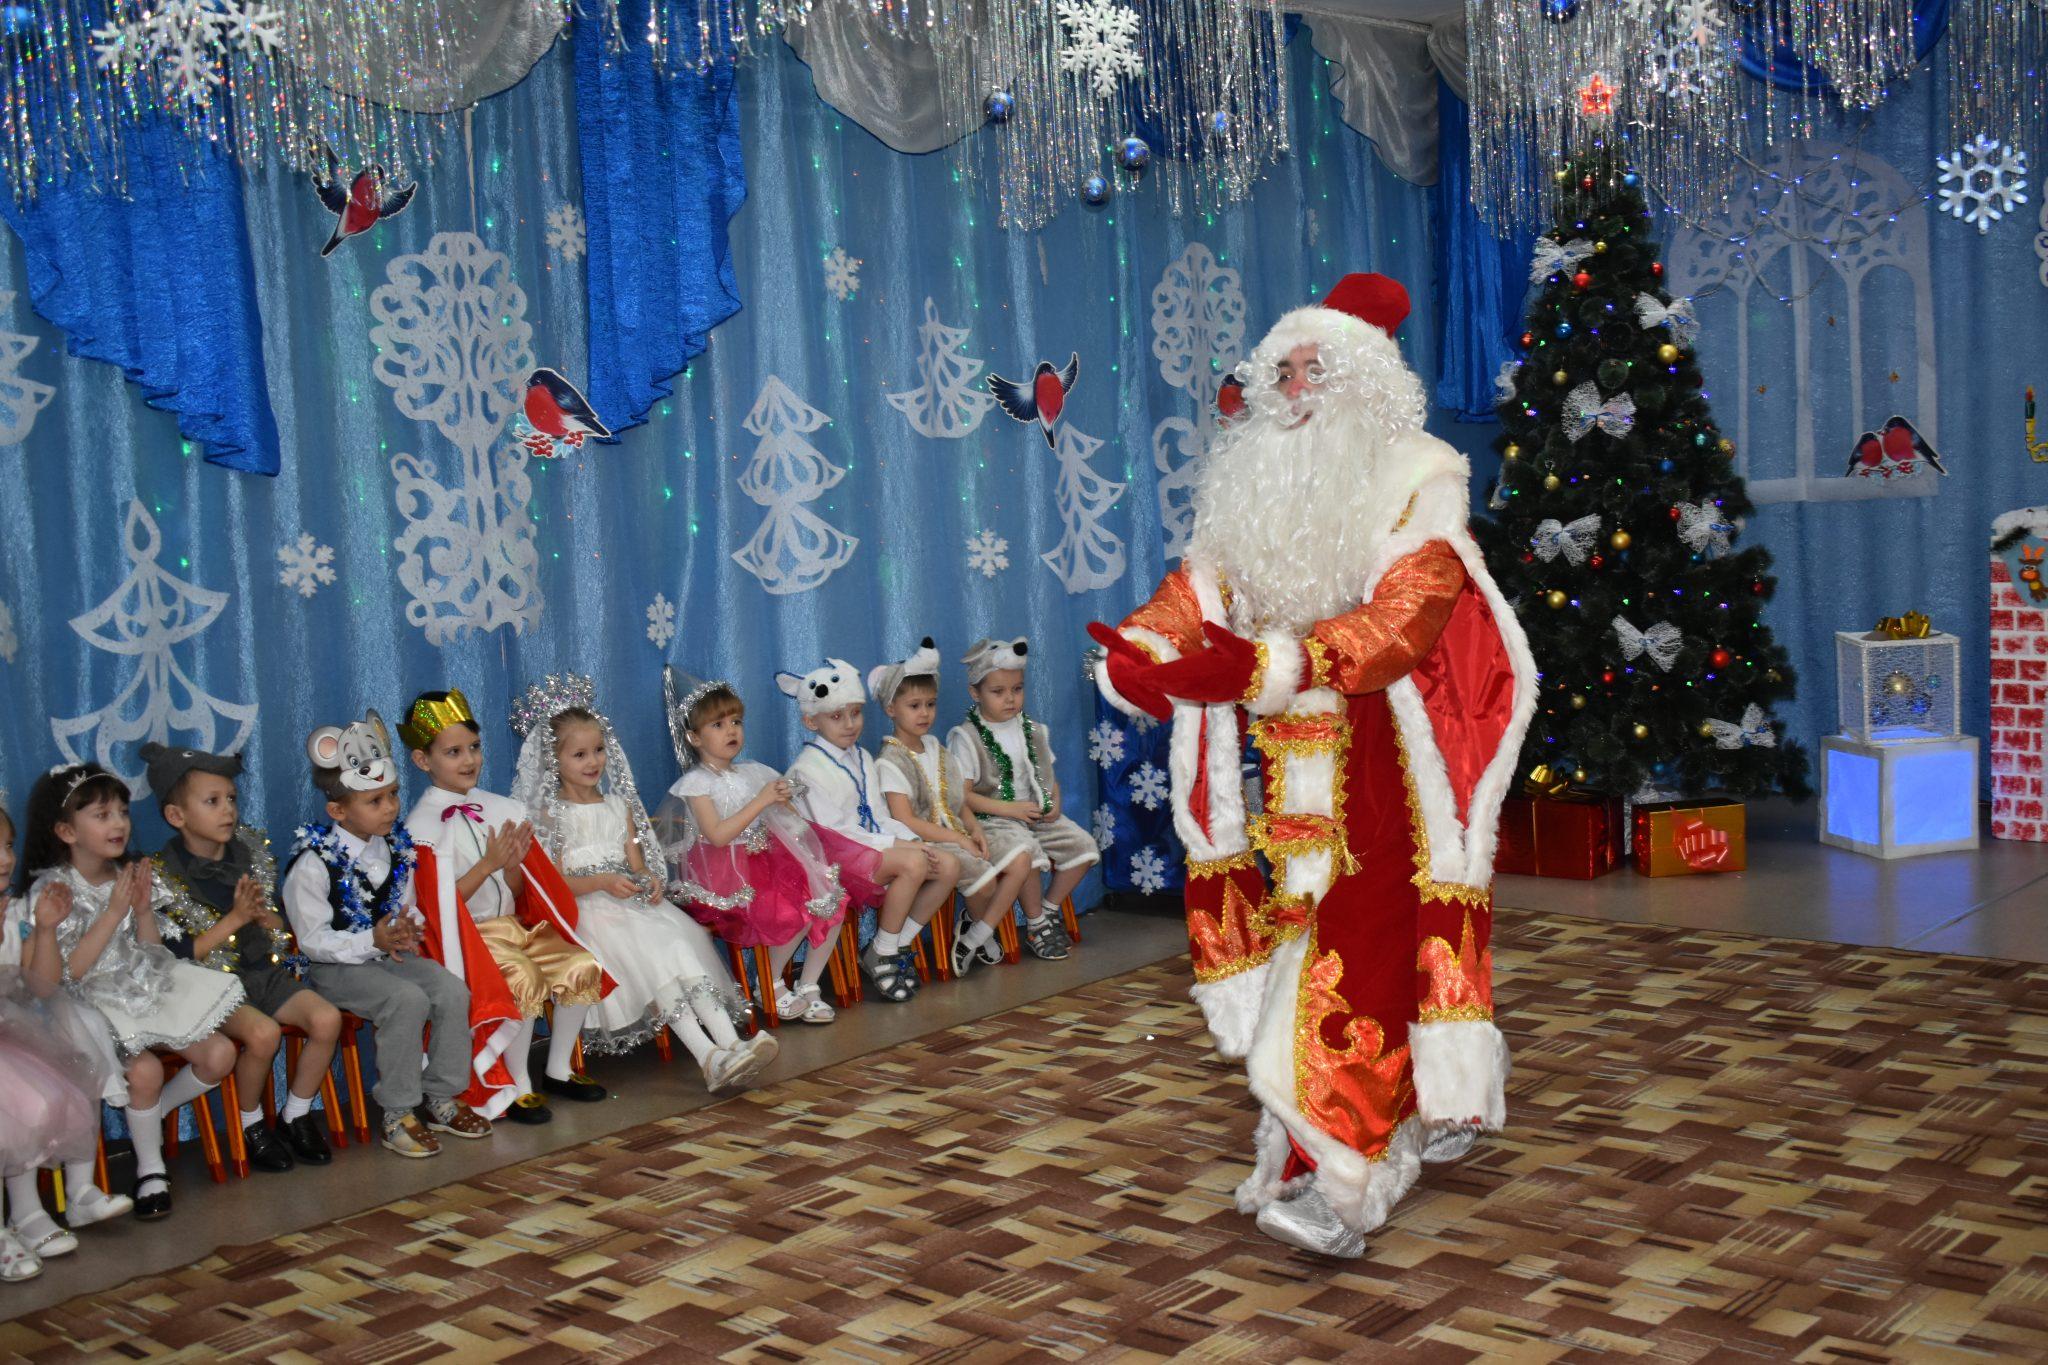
1720	1148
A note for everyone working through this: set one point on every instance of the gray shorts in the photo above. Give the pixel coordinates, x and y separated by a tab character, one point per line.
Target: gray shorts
1057	845
270	986
976	872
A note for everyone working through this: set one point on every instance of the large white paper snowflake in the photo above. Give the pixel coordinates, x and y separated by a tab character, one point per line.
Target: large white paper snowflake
661	621
987	554
567	236
1148	871
1699	20
10	643
1646	11
1148	786
307	564
842	274
1101	43
1680	66
1105	744
1989	181
1102	825
192	38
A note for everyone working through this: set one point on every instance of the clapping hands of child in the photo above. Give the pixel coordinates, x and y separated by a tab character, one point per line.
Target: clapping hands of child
396	935
507	845
131	890
249	906
53	906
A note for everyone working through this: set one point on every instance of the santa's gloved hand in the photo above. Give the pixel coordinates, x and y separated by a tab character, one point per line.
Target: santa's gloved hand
1221	673
1131	672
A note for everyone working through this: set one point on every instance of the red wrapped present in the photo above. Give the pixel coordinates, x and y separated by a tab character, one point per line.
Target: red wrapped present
1685	838
1570	833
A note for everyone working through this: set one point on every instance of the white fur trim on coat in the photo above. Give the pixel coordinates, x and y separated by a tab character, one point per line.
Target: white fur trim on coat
1285	673
1461	1072
1231	1006
1162	649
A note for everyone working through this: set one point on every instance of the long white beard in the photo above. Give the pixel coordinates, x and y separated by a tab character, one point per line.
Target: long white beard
1294	518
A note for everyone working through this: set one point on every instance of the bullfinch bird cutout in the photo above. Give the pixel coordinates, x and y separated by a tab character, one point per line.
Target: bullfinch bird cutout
1880	454
555	413
1042	399
367	201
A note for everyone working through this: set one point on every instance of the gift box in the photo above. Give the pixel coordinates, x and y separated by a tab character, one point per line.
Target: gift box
1898	800
1685	838
1575	834
1892	689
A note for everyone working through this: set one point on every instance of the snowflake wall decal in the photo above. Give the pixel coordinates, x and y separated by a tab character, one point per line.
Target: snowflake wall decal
1148	786
1148	871
1101	43
842	274
307	565
192	39
1105	744
661	621
1102	825
567	236
987	554
1989	181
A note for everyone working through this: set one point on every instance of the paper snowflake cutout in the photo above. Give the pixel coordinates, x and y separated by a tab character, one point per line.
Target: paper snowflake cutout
192	39
307	565
1646	11
1105	744
567	236
1102	825
842	274
661	621
10	643
1101	43
987	554
1679	66
1990	181
1148	871
1698	20
1148	786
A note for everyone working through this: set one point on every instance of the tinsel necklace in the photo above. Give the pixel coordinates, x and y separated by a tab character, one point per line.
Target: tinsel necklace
1007	785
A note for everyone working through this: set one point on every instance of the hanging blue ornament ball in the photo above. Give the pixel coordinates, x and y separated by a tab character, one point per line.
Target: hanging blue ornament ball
1133	154
1664	466
1700	439
1558	11
999	106
1630	179
1564	329
1095	190
1219	123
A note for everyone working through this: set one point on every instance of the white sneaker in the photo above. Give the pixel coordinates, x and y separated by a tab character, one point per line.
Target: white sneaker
804	1005
17	1262
1307	1221
94	1205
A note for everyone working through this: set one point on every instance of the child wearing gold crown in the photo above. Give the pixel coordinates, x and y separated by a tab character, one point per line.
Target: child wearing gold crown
523	910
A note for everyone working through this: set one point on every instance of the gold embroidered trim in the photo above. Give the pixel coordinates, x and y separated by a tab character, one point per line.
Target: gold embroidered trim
1318	663
1143	647
1463	1014
1279	738
1450	893
1216	867
1258	682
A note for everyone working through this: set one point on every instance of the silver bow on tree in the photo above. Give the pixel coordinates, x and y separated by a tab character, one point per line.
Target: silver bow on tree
1553	257
1754	728
1660	642
1704	530
1583	410
1573	540
1676	315
1504	382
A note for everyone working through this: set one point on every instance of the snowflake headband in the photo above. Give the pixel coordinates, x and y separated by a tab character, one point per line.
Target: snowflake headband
361	753
989	656
80	775
550	697
428	718
680	694
884	679
831	685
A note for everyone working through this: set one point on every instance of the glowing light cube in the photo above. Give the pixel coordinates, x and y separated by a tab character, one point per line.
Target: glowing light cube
1898	798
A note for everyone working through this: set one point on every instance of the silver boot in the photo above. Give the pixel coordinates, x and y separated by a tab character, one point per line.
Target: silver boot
1307	1221
1450	1144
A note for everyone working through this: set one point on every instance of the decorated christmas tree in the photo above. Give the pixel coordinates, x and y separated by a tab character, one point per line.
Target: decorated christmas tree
1618	513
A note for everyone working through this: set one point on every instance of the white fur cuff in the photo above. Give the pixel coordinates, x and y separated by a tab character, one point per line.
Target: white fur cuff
1461	1072
1162	650
1114	697
1282	680
1231	1008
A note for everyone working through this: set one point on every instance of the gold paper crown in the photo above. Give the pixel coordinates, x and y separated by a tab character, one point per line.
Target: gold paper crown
428	718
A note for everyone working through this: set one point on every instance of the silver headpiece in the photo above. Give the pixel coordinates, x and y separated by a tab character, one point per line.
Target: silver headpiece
550	697
680	693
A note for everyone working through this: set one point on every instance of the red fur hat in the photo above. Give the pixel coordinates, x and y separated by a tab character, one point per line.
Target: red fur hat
1372	298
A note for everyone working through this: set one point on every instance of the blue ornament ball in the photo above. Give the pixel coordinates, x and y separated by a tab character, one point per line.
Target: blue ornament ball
1664	466
1133	154
1095	190
1631	179
1700	439
999	106
1558	11
1564	329
1219	123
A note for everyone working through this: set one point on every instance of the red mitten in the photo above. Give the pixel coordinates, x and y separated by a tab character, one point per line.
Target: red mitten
1131	672
1221	673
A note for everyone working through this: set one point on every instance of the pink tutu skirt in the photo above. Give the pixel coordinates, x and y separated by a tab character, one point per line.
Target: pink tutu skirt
49	1116
856	863
755	899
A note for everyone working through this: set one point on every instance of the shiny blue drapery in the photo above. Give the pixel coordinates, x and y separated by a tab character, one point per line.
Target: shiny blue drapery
1481	278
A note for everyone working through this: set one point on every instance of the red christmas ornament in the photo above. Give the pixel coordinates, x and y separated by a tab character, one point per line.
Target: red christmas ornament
1657	268
1757	587
1596	562
1585	182
1673	514
1528	340
1607	676
1528	558
1721	658
1582	281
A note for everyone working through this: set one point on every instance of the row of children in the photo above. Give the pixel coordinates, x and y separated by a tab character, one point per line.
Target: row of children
144	983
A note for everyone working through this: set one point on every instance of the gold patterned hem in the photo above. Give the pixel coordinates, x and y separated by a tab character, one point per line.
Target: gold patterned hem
1463	1014
1216	867
1431	890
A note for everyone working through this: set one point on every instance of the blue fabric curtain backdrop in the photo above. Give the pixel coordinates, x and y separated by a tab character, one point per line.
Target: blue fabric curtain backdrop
1480	278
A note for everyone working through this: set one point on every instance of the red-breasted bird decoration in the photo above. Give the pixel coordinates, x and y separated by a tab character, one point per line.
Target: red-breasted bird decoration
1041	399
368	201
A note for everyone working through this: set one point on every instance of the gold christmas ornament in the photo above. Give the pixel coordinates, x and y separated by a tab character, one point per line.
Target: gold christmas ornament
1706	730
1727	446
1578	701
1897	684
1668	353
1621	540
1578	774
1511	451
1640	730
1560	378
1599	248
1556	599
1560	175
1551	483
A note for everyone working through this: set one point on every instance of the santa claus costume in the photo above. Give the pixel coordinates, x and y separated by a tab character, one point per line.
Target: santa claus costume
1333	603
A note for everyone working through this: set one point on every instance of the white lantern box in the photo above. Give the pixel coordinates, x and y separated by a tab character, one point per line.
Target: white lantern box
1898	798
1889	690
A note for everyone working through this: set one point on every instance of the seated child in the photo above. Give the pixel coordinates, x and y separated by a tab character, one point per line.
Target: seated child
839	787
745	865
670	974
351	897
925	796
1005	759
529	928
219	882
112	958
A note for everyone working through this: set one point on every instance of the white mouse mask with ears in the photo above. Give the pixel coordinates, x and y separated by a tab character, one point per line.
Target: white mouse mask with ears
827	688
362	753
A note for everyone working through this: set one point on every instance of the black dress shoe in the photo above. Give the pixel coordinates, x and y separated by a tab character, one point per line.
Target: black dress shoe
531	1110
265	1151
157	1203
308	1138
578	1087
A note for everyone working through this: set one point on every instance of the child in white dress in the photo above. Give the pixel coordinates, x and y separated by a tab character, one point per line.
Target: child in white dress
587	813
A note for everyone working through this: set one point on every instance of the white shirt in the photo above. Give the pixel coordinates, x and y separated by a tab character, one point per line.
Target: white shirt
459	840
964	744
312	915
13	936
833	780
